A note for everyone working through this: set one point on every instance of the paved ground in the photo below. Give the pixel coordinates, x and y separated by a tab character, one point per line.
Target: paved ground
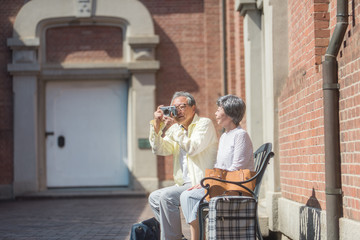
101	218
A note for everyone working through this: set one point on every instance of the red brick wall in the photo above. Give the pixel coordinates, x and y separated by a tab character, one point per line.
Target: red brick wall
85	44
191	31
235	54
190	55
230	46
301	124
349	80
8	11
301	105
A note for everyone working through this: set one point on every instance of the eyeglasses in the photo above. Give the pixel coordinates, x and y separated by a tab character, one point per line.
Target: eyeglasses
181	106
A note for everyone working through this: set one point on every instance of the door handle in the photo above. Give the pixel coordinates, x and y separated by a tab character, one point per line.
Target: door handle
61	141
49	134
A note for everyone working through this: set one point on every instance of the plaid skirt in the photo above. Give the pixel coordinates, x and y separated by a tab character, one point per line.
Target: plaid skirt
232	217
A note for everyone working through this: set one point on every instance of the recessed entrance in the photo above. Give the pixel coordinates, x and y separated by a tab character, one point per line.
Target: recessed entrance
57	91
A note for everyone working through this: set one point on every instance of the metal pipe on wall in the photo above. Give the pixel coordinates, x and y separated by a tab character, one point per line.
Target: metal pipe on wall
224	45
331	124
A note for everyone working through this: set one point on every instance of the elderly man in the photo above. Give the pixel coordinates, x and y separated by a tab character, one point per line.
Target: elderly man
192	141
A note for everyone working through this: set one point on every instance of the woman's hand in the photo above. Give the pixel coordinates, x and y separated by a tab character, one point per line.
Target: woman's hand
197	186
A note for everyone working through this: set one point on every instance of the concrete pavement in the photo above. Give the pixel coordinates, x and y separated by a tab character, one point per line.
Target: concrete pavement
69	218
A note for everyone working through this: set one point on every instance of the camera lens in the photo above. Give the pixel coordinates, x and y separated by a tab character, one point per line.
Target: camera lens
166	112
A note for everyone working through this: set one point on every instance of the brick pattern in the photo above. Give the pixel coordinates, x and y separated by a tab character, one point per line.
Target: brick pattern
213	82
190	56
349	80
235	54
230	46
8	11
85	44
193	33
301	106
74	218
189	53
321	19
301	127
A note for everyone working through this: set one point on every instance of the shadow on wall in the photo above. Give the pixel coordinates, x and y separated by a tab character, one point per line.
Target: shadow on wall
176	25
172	75
135	184
310	221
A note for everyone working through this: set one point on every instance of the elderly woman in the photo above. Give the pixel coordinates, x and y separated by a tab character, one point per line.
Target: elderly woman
235	152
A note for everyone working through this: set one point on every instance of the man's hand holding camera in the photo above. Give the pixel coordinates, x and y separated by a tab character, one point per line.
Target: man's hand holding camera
166	115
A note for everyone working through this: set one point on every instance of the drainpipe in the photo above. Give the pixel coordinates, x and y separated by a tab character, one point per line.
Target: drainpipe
225	83
331	124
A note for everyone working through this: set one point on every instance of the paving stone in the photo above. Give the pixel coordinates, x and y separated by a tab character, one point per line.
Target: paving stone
73	218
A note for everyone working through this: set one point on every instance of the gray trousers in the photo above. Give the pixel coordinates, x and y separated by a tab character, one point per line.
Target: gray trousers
165	204
189	201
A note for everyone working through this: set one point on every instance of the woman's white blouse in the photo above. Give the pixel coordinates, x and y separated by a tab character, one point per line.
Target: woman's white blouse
235	151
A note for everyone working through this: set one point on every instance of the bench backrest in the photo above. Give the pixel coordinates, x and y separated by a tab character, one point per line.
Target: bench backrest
262	157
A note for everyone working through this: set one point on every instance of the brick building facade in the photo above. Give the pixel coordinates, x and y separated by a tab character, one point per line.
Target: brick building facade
189	54
8	14
269	52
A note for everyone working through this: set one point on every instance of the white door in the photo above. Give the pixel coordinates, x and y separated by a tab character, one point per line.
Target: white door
86	143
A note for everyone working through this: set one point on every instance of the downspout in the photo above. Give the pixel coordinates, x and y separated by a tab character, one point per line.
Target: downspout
224	47
331	124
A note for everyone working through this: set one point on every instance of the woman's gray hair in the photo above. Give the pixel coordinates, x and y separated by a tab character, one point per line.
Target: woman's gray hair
233	106
190	98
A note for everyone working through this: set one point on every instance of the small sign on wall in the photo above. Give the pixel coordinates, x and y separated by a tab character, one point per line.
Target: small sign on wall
144	143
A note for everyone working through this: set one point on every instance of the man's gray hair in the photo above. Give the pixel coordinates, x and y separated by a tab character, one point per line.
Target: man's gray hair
190	98
233	106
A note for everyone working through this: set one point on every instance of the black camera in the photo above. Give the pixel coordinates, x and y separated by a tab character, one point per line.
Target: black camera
168	110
